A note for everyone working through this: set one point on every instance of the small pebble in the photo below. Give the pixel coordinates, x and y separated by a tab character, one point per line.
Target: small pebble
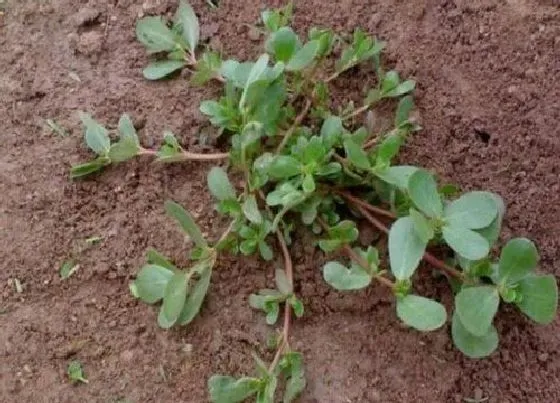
543	357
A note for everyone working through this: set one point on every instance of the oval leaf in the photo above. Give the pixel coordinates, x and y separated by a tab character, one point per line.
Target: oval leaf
127	129
421	313
187	24
466	242
97	136
397	175
155	35
304	56
226	389
422	226
219	184
284	166
422	188
473	210
282	44
162	320
519	257
492	232
251	210
356	154
185	220
476	307
151	282
124	150
405	248
539	298
471	345
163	68
174	296
341	278
196	297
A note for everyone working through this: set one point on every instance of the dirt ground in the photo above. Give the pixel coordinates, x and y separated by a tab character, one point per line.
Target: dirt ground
488	74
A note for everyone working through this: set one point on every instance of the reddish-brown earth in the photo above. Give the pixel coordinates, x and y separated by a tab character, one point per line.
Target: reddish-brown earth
488	74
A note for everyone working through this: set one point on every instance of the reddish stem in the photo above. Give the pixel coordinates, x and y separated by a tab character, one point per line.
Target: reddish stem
187	155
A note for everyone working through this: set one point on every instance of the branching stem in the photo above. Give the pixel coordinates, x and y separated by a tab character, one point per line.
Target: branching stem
294	126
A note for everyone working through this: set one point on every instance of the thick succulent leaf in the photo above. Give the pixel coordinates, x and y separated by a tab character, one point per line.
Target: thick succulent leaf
473	210
421	313
471	345
467	243
539	298
476	307
519	257
405	248
423	191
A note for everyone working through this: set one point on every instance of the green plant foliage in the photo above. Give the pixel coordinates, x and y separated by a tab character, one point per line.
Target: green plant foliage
297	166
76	373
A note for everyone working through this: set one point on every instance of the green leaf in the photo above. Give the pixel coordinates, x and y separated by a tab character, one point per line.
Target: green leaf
123	150
77	171
162	68
174	296
470	345
473	210
492	232
284	166
422	226
75	372
397	175
405	248
282	44
97	136
187	24
68	268
154	257
185	220
163	321
297	306
356	154
151	282
282	283
389	148
296	383
476	307
331	130
196	296
265	251
403	110
466	242
422	188
256	74
127	130
401	89
251	209
303	56
343	279
539	298
226	389
155	35
421	313
519	257
219	184
272	309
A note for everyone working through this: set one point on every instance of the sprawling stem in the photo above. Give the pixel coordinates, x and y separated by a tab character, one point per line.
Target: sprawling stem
363	208
299	118
187	155
357	112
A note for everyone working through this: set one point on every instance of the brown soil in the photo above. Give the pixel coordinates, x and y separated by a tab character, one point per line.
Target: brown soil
488	73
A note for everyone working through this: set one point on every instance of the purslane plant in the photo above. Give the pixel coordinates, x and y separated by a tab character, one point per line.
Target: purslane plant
305	165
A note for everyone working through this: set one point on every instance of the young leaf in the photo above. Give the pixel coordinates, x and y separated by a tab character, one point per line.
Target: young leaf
68	268
331	130
162	68
519	257
476	308
75	372
256	74
123	150
356	154
151	282
97	136
196	296
296	382
297	306
397	175
162	320
304	56
185	220
154	257
421	313
265	251
282	44
219	184
492	232
175	295
155	35
539	298
226	389
272	309
466	242
251	210
473	210
471	345
401	89
87	168
282	283
405	248
423	227
403	110
422	188
187	24
127	130
284	166
343	279
388	149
